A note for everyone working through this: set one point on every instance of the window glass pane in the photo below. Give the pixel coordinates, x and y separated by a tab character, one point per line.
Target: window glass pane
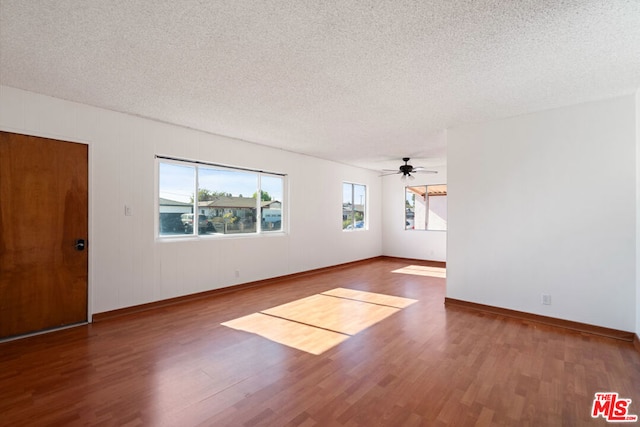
272	190
359	203
416	208
426	207
227	201
354	202
176	186
409	209
437	216
347	206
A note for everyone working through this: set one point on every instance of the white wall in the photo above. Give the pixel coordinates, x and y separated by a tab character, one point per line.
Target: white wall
546	203
128	265
414	244
638	213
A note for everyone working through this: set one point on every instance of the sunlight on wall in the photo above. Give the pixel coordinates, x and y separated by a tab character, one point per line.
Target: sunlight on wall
319	322
420	270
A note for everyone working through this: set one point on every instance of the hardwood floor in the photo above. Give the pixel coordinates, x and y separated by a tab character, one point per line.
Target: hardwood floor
423	364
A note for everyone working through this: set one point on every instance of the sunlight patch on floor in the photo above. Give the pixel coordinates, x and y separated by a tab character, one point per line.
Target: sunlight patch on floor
371	297
297	335
319	322
421	270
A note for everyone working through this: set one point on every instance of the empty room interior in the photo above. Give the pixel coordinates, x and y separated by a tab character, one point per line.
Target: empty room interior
298	213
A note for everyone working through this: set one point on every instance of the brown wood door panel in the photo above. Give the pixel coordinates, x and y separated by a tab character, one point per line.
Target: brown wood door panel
43	210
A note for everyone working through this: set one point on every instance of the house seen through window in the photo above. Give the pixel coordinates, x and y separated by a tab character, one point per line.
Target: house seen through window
202	199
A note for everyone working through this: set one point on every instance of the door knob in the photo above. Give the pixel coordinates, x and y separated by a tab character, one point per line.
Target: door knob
79	245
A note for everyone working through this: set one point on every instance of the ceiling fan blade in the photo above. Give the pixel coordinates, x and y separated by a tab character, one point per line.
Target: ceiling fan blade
424	171
390	173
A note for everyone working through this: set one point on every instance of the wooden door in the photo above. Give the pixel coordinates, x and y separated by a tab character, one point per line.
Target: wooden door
43	212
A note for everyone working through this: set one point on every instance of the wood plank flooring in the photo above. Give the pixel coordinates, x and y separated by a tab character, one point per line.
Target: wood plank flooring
423	365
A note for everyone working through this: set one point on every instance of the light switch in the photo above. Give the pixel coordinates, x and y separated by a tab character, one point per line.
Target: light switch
127	210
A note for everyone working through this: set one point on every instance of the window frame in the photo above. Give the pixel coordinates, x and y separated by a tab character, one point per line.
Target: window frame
196	207
365	220
427	208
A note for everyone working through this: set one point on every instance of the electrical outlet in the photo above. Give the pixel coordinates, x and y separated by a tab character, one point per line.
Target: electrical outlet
546	299
237	273
127	210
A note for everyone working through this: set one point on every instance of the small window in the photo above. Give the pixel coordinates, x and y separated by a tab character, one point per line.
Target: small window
426	207
229	200
354	202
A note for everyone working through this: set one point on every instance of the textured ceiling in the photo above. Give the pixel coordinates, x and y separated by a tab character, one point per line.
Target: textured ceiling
360	82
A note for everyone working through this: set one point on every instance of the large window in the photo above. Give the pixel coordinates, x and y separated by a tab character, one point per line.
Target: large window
426	207
354	202
203	199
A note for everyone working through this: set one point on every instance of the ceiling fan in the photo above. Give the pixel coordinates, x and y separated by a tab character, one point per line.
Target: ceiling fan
407	170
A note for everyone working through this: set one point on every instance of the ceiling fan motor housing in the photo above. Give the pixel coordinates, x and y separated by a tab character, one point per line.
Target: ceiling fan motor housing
405	169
